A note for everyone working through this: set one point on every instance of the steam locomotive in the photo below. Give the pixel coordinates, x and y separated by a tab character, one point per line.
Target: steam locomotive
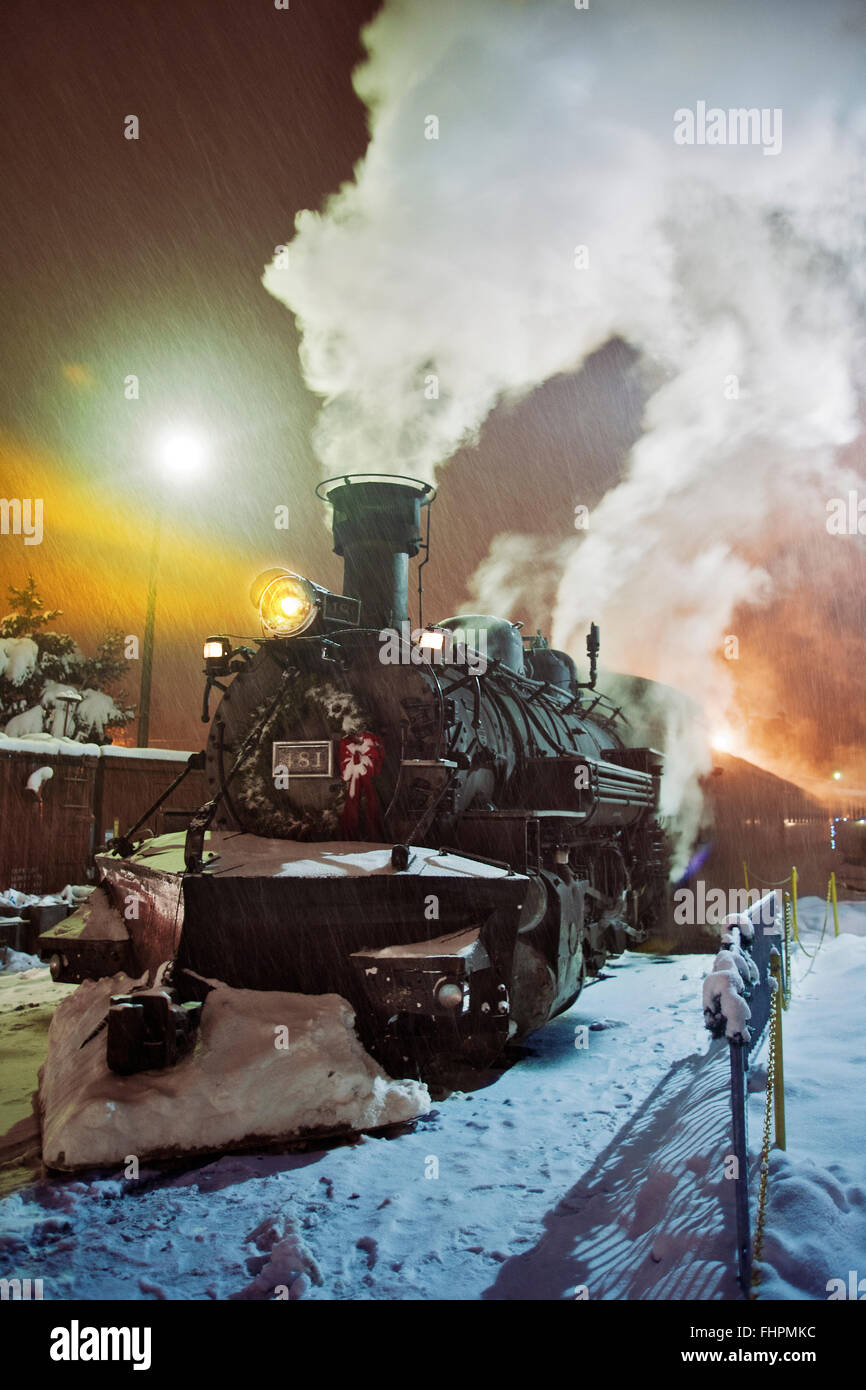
442	824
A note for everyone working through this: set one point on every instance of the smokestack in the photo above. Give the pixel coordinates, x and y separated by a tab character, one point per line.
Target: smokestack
377	529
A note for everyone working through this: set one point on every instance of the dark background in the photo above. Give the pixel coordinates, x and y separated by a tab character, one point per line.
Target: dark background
145	257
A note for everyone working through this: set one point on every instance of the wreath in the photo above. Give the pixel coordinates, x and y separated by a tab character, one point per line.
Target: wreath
310	710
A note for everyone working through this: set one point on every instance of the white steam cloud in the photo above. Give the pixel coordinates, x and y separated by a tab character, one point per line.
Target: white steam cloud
452	264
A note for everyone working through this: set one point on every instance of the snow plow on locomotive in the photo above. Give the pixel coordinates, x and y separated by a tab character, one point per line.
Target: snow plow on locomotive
443	825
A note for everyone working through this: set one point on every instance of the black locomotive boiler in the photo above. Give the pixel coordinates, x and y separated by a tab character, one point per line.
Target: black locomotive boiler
442	824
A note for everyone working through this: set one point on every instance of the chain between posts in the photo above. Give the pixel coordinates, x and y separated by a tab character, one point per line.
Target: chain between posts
760	1220
774	1116
774	1102
786	992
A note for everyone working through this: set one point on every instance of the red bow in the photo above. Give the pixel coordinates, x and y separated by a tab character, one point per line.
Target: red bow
361	758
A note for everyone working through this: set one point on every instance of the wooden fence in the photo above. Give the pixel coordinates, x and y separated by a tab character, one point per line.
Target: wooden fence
50	831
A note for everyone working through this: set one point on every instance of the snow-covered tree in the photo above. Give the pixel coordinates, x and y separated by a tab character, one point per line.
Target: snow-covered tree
41	670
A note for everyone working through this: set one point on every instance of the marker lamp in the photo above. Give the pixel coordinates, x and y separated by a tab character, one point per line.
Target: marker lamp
217	654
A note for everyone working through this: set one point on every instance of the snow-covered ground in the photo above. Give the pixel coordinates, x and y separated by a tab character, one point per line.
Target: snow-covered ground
596	1168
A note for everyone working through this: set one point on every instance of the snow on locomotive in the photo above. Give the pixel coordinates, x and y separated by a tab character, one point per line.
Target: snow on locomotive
444	826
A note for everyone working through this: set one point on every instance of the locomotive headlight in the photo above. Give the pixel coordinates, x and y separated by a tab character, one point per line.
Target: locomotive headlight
288	604
432	638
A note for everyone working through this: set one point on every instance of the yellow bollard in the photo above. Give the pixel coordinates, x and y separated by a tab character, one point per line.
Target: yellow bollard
746	874
835	904
794	903
778	1068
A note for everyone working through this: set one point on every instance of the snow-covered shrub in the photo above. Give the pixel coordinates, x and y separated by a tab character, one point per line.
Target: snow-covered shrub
18	659
47	684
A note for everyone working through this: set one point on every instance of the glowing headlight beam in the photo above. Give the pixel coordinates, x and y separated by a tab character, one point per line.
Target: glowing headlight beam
288	604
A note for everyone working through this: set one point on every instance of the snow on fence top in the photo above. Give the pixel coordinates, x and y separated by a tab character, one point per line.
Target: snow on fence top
734	973
51	747
167	755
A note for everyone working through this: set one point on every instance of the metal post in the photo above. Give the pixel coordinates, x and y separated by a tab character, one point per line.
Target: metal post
779	1072
835	903
147	647
794	902
739	1063
746	874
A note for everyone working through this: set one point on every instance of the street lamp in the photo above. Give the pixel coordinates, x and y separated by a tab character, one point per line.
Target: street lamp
180	454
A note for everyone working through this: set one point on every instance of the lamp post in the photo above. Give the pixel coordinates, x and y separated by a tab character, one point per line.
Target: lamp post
147	646
180	456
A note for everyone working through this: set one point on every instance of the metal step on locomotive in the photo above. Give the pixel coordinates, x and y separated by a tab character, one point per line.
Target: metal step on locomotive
442	824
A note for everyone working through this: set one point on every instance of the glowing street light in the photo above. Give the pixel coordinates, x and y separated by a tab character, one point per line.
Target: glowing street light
837	776
182	454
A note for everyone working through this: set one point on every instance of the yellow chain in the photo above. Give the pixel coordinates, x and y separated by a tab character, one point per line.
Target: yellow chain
812	954
758	1244
786	992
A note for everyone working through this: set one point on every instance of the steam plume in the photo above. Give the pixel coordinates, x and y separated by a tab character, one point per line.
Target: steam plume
449	263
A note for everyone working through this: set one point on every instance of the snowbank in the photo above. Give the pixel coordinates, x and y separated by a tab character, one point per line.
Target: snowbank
239	1085
73	893
16	962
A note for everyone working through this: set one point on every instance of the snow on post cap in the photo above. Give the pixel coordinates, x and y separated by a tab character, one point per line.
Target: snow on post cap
743	921
763	911
725	1009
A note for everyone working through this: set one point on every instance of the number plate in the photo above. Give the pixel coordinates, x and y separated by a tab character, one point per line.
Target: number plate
304	759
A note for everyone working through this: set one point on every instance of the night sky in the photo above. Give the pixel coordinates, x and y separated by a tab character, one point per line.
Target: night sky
145	257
